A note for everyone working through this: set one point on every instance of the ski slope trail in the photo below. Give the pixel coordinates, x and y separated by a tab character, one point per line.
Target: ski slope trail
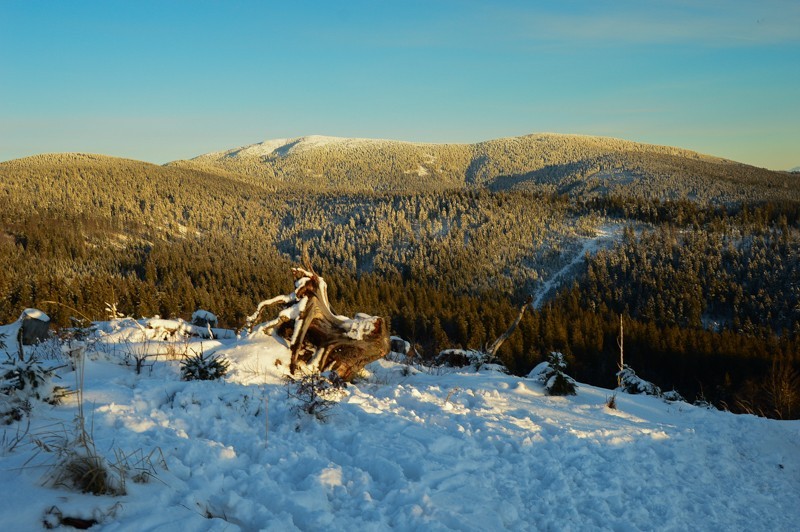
604	238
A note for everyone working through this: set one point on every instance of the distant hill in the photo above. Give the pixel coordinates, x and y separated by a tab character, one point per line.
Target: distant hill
133	192
572	164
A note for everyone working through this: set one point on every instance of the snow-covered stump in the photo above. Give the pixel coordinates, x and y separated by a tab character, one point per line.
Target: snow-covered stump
204	318
317	337
35	326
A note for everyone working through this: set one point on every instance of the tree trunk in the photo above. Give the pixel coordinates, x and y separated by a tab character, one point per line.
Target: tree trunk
319	338
495	347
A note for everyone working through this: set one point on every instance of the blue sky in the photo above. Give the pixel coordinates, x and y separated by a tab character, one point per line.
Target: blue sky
167	80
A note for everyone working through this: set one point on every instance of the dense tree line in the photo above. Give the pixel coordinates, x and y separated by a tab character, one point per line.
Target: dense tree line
741	275
173	278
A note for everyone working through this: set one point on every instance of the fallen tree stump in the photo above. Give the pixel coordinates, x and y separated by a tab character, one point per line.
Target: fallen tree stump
317	337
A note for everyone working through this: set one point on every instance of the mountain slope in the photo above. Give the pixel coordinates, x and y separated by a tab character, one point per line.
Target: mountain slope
574	164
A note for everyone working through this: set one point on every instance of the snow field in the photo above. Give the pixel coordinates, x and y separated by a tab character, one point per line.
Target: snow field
407	450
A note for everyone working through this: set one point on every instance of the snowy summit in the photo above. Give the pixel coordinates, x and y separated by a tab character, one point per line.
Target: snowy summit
284	147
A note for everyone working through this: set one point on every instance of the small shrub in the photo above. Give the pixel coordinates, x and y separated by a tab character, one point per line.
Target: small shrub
88	474
177	349
29	379
203	367
50	349
552	374
139	353
672	396
702	402
316	393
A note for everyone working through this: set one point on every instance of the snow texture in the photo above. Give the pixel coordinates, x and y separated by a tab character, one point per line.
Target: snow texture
201	314
405	449
360	326
34	314
181	327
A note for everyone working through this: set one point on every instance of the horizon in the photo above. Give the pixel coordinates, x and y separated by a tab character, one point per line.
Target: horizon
159	82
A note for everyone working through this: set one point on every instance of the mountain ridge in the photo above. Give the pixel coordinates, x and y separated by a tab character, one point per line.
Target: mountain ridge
306	142
550	162
579	166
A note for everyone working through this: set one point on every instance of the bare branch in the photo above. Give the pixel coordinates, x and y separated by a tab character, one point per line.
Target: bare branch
495	347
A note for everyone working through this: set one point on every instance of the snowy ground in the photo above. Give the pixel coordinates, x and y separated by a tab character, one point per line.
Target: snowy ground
403	450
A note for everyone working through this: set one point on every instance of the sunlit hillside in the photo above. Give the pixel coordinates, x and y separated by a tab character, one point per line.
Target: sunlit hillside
574	164
699	254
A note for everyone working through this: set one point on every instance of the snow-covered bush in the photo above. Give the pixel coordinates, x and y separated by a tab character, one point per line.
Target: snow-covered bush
702	402
633	384
27	378
672	396
552	374
203	367
22	382
316	393
204	318
11	409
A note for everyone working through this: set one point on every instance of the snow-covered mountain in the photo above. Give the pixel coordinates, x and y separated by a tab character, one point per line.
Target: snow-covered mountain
574	164
405	449
291	146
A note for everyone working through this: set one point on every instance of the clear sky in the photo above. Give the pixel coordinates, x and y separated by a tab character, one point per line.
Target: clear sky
166	80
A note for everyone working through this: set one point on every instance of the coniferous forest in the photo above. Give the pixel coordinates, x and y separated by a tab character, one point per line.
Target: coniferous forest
708	288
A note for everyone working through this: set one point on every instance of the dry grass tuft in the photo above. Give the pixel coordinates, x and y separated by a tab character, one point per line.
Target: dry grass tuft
89	474
611	402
